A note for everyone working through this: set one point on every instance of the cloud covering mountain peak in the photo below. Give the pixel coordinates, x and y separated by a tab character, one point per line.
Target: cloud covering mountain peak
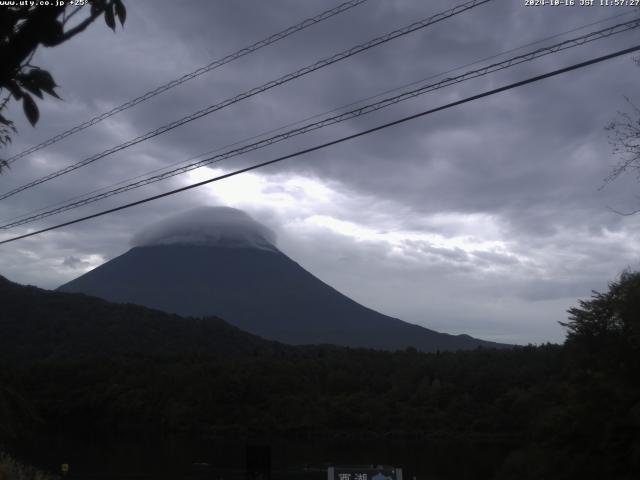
212	226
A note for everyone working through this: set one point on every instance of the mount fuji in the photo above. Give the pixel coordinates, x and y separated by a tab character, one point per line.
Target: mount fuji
218	261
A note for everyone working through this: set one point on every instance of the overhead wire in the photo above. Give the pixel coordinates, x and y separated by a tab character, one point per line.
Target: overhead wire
495	91
343	7
317	115
519	59
254	91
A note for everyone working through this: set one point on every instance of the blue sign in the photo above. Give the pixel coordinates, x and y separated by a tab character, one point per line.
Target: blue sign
364	472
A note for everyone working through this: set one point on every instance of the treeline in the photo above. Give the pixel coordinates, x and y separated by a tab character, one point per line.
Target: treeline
319	390
570	411
554	418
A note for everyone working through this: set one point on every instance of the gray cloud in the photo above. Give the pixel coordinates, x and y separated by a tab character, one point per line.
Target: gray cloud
485	219
74	262
222	226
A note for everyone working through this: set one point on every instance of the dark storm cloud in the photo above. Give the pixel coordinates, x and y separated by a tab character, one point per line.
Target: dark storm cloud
495	199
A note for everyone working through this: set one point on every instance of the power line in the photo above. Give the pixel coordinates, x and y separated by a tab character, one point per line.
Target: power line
190	76
267	86
318	115
570	43
337	141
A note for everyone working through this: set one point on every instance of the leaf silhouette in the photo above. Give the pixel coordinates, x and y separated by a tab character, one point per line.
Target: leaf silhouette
30	109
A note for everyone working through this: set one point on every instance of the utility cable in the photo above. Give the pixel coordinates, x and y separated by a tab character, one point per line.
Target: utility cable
190	76
504	88
267	86
527	57
317	115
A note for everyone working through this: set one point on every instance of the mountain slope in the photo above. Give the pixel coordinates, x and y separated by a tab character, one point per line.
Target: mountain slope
38	324
259	290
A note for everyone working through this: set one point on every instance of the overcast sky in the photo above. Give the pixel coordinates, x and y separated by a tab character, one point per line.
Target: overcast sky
486	219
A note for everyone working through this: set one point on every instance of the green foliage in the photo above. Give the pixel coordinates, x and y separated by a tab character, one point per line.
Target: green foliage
346	392
23	28
563	412
603	346
614	314
605	330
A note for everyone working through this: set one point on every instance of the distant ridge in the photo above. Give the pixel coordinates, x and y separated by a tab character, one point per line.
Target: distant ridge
39	325
226	265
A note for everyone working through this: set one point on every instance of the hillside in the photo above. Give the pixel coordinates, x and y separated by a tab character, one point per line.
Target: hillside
261	291
219	261
82	366
37	324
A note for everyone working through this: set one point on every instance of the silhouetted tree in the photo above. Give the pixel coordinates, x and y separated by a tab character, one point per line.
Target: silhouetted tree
608	319
23	28
624	137
603	342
